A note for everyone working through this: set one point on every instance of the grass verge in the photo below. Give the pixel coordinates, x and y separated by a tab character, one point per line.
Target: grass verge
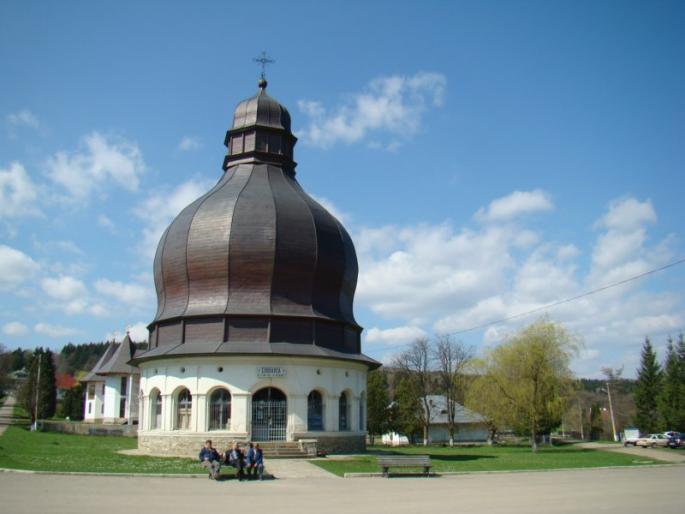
47	451
487	458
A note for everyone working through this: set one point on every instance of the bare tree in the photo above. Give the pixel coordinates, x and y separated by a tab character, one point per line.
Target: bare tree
416	364
451	357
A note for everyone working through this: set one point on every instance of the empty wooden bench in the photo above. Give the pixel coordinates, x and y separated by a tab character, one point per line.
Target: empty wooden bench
408	461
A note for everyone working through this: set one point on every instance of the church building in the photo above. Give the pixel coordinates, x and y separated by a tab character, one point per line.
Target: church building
254	336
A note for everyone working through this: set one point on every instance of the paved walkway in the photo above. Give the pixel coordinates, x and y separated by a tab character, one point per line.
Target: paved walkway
663	454
6	413
624	490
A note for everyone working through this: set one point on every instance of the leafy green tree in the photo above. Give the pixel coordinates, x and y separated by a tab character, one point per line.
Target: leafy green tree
525	383
649	380
671	401
46	394
377	403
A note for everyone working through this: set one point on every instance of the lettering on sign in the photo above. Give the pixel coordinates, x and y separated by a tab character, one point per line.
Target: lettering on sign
270	371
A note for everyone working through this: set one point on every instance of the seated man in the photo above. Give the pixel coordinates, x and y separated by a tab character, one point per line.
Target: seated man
258	465
250	461
210	459
235	458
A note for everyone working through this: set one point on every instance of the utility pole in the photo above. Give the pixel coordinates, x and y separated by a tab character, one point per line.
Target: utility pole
35	418
611	412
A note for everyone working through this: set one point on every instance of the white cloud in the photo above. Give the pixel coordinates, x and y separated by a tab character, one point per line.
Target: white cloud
161	207
15	267
189	143
137	332
456	278
64	288
55	331
14	328
389	105
514	205
101	160
24	118
627	214
130	294
18	193
394	336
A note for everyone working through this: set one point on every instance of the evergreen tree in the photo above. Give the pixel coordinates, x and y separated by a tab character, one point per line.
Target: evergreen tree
649	378
672	398
377	402
47	389
72	403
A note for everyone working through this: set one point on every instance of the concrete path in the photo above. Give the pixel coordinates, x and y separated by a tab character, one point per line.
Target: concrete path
664	454
624	490
6	413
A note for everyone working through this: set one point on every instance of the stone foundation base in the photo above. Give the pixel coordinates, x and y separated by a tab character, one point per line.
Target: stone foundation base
188	445
185	445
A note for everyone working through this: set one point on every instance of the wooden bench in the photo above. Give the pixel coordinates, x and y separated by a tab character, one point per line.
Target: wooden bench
405	461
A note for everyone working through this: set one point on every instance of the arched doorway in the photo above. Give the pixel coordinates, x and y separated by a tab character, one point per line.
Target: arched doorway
269	415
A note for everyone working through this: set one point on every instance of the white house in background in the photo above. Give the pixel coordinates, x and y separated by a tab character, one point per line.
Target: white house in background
112	386
470	426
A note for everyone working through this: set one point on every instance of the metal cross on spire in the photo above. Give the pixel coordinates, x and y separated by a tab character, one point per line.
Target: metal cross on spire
263	60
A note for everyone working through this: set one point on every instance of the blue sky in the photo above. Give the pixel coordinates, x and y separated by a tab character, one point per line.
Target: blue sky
488	158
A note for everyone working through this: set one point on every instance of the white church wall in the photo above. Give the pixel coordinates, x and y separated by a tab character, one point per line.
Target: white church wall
239	375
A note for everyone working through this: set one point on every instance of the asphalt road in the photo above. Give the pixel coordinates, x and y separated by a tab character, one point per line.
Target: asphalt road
623	491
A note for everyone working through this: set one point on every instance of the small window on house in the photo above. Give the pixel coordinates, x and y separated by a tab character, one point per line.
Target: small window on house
124	384
90	408
91	392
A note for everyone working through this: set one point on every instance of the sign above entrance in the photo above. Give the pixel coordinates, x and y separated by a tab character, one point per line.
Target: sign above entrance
270	371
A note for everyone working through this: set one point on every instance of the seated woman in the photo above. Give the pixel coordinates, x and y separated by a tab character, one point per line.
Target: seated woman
211	460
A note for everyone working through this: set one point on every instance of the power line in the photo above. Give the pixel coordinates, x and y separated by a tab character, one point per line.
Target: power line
561	302
570	299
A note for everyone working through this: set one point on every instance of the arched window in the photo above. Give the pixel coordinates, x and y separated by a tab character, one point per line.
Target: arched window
183	409
155	410
362	410
220	410
314	411
343	418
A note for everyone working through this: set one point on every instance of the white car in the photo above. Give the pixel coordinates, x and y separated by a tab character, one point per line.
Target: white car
653	440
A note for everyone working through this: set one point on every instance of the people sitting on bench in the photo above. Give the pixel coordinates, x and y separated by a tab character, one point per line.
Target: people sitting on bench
210	459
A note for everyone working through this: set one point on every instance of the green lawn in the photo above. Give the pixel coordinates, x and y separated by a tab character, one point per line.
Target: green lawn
19	412
48	451
488	458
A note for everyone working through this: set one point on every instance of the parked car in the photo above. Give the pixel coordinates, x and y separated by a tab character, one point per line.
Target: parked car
653	440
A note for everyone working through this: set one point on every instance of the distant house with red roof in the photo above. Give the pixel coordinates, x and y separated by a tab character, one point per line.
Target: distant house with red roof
64	382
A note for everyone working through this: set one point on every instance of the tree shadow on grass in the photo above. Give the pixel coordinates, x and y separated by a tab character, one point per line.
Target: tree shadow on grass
435	456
